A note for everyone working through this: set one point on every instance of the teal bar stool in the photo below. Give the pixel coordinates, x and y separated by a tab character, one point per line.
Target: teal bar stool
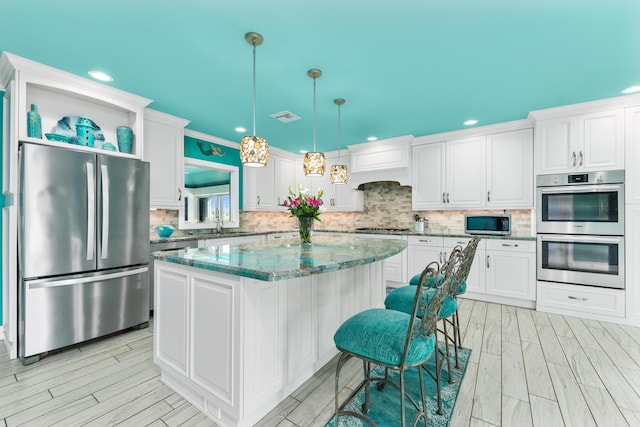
393	340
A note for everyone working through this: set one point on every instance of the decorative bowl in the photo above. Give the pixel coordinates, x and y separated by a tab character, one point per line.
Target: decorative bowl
164	231
108	146
57	137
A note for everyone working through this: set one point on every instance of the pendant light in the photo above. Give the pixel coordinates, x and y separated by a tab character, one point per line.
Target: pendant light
254	150
339	173
314	162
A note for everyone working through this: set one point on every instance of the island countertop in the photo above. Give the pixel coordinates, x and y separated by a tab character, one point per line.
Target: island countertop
286	259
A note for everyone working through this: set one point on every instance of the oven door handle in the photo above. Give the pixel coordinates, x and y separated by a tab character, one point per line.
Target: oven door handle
580	238
591	188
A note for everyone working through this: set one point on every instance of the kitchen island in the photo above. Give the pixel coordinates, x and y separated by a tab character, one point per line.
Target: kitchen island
240	327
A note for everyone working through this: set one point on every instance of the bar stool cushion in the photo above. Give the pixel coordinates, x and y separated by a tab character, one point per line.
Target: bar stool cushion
401	299
379	335
462	287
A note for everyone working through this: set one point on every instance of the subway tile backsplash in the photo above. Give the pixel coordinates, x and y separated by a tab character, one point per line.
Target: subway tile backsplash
386	204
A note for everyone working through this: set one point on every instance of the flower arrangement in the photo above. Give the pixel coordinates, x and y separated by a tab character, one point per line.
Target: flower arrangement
303	204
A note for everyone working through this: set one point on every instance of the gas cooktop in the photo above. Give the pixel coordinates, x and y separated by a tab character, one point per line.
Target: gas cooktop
385	229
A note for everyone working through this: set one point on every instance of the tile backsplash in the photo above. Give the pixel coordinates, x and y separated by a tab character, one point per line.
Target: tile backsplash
386	204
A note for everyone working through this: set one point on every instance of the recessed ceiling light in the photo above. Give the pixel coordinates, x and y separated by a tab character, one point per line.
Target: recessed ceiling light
632	89
303	151
240	129
372	138
99	75
470	122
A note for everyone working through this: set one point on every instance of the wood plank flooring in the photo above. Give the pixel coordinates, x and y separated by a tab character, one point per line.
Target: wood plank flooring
527	369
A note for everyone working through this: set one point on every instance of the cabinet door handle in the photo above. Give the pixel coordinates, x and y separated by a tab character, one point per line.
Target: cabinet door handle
488	196
278	200
447	197
277	237
581	158
179	194
424	240
573	158
508	245
578	298
444	198
488	261
258	199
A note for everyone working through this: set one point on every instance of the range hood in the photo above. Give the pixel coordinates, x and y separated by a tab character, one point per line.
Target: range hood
383	160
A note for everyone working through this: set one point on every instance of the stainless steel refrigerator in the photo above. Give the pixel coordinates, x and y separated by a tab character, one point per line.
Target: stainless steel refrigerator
83	247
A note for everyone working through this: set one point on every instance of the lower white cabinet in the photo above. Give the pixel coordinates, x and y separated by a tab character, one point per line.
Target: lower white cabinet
235	347
395	267
203	243
503	270
582	301
283	235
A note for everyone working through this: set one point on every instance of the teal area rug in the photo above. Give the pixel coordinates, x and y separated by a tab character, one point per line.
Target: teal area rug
385	404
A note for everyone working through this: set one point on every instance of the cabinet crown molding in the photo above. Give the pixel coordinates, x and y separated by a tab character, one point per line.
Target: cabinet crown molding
621	101
160	117
476	131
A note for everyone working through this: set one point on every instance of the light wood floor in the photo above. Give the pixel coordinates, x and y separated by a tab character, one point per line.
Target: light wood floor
526	369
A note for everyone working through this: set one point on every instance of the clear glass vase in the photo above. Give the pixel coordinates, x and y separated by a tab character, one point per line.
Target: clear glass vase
305	225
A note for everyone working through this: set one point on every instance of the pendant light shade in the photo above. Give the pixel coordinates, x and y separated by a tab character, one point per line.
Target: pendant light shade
254	150
314	162
339	173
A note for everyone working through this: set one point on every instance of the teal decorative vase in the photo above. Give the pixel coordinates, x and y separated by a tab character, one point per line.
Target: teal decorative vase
124	135
305	225
34	123
84	131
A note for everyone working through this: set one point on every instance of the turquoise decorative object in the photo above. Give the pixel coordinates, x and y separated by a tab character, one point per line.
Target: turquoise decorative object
164	231
67	126
125	139
108	146
84	131
56	137
34	123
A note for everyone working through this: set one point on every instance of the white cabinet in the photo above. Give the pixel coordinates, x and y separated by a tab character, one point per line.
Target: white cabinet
511	269
492	171
283	235
395	267
336	197
510	169
503	270
583	301
584	142
164	150
203	243
632	155
465	171
266	188
632	269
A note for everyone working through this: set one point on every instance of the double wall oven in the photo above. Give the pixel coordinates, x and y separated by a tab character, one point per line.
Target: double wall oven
580	227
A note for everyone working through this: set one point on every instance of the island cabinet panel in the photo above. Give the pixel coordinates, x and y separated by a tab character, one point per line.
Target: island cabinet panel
265	341
213	354
172	296
302	315
328	314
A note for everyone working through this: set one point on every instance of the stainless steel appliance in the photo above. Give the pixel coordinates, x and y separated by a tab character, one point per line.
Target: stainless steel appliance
83	247
581	259
585	203
488	224
580	228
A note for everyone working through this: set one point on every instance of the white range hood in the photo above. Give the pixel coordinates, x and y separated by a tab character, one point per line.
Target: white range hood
383	160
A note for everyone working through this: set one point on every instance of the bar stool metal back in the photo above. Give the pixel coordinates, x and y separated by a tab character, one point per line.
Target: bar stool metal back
394	340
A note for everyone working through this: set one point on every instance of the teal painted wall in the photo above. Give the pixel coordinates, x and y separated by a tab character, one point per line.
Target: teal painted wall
211	152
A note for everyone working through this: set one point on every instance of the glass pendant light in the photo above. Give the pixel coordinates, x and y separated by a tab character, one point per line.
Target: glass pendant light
314	162
254	150
339	173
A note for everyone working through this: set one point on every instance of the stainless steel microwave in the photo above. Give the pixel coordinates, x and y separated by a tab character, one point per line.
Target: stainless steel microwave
488	224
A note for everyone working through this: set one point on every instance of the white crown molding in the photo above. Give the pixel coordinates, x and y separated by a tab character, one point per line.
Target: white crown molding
206	137
9	63
475	131
621	101
380	144
160	117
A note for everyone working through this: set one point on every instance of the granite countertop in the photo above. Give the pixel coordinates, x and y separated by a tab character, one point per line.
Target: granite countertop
224	235
286	259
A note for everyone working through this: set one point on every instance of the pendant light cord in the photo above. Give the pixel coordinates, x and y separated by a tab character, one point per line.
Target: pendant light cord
314	114
339	126
254	88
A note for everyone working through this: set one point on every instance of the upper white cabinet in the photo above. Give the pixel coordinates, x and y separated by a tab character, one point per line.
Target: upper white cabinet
164	135
336	197
632	155
382	160
583	142
266	188
492	171
510	169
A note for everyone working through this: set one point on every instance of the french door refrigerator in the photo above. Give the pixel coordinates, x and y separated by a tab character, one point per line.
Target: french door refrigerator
83	247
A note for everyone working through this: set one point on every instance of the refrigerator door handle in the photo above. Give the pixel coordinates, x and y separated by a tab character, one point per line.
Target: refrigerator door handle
91	212
48	283
104	251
